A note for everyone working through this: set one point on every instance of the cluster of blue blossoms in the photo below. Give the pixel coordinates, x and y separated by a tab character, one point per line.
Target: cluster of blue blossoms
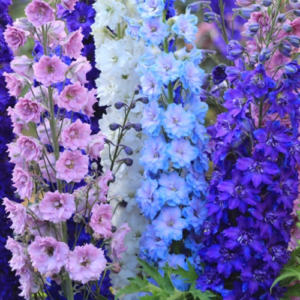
173	192
255	181
8	282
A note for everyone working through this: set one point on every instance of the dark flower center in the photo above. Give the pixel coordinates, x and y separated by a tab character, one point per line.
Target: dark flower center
245	238
256	80
227	254
170	223
257	167
259	275
85	263
270	217
50	69
272	142
282	101
287	189
82	19
50	251
240	192
238	103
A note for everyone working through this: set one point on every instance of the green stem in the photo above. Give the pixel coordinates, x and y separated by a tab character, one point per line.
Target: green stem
261	104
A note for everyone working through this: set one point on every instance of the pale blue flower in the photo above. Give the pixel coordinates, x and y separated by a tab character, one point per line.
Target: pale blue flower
146	61
192	77
154	155
151	8
167	67
151	85
182	153
196	181
133	28
147	198
185	27
173	189
195	214
178	122
154	31
169	224
151	121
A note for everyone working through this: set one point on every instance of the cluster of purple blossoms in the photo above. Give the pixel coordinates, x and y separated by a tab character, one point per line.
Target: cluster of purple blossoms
255	151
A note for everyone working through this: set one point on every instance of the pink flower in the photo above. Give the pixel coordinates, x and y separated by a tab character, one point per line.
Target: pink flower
22	182
56	33
29	147
22	65
69	4
72	166
50	70
101	220
78	70
27	281
117	241
77	135
18	123
86	263
96	145
48	255
15	155
296	26
24	24
102	182
73	97
47	166
19	259
39	13
15	37
14	84
294	238
29	111
260	18
17	214
56	207
72	45
276	60
88	109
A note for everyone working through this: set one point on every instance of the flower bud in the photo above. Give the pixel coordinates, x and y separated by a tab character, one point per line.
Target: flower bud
290	69
94	166
119	105
252	29
195	7
245	12
77	218
116	268
256	7
285	49
128	150
210	17
294	40
107	141
114	126
219	74
137	127
127	161
297	12
244	2
265	54
235	50
267	3
281	18
143	100
287	28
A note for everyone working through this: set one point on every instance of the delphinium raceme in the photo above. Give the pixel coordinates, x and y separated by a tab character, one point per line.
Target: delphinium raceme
117	54
55	169
172	195
8	280
255	151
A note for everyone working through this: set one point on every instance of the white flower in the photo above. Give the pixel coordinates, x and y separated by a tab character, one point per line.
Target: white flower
107	88
109	13
111	58
99	33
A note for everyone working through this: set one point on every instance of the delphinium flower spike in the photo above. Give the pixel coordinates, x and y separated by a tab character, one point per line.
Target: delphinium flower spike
253	148
54	169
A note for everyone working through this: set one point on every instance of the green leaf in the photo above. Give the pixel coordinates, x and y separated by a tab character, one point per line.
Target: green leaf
164	282
189	276
147	297
287	273
133	288
202	296
178	295
293	290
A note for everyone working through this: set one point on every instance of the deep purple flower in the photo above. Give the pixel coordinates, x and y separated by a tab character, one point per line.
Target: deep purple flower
227	260
216	206
82	16
256	82
256	275
268	216
244	235
286	188
210	279
219	74
292	74
238	293
257	170
237	193
283	101
236	101
294	153
272	139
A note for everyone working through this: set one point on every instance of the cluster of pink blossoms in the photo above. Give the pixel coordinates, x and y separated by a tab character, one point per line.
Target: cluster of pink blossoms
54	169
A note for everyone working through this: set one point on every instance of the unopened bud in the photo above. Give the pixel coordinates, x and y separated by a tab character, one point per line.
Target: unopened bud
119	105
281	18
128	150
77	218
114	126
94	166
116	268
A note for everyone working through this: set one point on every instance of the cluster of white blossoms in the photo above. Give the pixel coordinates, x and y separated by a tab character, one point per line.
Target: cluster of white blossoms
116	56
